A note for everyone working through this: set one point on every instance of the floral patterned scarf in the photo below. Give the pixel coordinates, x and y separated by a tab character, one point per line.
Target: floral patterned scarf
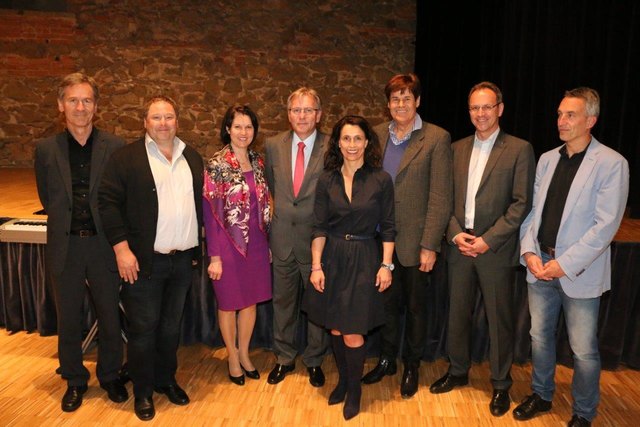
228	194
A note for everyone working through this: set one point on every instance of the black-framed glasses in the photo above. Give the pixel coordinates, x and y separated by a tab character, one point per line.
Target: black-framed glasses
483	108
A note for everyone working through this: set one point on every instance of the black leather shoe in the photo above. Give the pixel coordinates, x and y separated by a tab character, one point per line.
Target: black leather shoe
176	395
144	408
254	375
448	383
500	403
530	407
384	367
409	383
72	398
577	421
316	376
278	373
116	391
239	380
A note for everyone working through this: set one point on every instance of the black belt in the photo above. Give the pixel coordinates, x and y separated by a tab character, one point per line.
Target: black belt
547	250
470	231
354	236
84	233
171	252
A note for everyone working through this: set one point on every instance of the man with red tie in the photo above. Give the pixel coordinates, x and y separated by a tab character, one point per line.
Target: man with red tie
294	161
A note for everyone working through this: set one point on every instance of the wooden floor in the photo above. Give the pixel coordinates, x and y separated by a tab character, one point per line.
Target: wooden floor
30	394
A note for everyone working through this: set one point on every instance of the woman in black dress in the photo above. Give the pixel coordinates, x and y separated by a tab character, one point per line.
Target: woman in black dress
354	202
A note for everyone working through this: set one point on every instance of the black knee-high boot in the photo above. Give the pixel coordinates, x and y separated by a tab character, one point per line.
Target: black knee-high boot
355	366
338	393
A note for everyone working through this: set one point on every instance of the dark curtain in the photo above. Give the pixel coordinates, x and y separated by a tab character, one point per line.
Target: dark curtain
26	303
26	298
534	50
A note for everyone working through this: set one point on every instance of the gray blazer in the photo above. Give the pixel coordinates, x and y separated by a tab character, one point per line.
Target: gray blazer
53	179
591	217
504	196
422	191
292	216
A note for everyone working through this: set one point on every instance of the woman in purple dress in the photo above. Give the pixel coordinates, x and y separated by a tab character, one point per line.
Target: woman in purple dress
236	218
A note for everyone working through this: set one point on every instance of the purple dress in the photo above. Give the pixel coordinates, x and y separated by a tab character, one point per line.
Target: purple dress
244	281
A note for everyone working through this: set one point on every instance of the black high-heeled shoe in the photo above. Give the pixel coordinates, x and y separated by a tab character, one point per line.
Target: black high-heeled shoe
239	380
254	375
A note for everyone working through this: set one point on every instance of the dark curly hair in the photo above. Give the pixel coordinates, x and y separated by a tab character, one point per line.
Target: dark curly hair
227	121
372	153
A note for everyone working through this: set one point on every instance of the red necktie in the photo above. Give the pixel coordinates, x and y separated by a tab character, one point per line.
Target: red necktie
298	173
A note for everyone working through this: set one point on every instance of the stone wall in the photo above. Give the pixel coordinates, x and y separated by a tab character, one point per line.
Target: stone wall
206	55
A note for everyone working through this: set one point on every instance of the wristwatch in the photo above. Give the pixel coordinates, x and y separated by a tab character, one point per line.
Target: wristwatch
389	267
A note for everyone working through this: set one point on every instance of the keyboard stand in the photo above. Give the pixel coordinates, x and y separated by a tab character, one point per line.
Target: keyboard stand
88	340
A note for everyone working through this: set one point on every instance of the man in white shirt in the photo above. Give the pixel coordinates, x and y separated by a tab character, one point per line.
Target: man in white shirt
151	201
493	177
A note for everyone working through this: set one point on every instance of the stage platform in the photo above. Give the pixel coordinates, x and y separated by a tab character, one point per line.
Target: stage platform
26	301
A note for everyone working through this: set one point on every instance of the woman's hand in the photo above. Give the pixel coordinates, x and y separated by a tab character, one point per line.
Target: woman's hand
215	268
383	279
317	280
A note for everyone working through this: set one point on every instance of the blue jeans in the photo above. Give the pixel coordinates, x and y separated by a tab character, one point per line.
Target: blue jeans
546	299
154	307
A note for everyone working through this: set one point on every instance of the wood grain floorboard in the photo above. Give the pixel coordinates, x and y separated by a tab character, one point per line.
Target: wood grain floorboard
30	394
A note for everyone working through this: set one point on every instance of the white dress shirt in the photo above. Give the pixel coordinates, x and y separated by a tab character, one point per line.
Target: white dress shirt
477	163
177	226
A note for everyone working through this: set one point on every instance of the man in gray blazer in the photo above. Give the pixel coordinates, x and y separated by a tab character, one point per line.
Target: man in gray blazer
69	167
493	176
292	171
580	195
417	155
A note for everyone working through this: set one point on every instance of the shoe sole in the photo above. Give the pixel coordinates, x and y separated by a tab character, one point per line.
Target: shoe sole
407	396
73	409
145	419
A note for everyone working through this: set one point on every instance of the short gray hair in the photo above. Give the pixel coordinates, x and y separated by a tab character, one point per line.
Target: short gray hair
305	91
590	96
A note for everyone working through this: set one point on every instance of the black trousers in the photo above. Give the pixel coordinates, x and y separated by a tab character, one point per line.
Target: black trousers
407	293
84	264
154	307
